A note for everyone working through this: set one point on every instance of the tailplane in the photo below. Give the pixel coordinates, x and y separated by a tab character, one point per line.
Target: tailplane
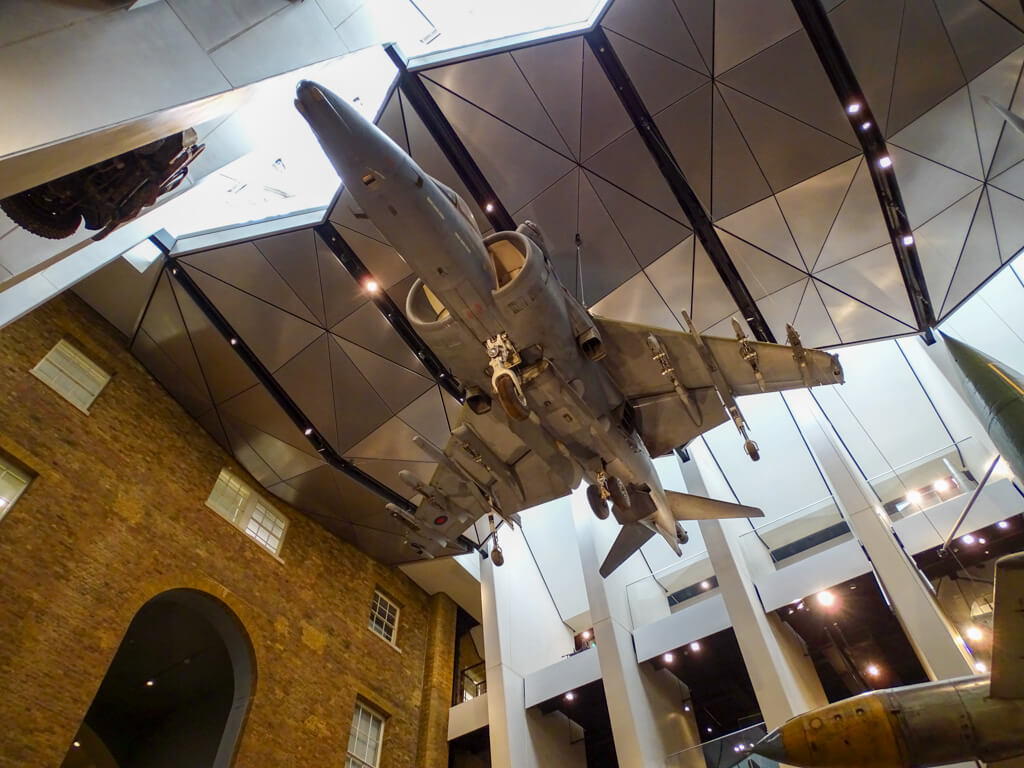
685	506
630	539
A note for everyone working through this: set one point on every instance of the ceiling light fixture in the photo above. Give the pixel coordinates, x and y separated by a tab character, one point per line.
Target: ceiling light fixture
694	646
853	108
865	125
233	341
873	670
941	485
708	729
1003	524
686	708
489	208
371	286
308	431
973	633
76	744
908	239
585	634
150	683
570	696
705	585
913	497
980	666
826	599
968	539
884	161
981	540
669	658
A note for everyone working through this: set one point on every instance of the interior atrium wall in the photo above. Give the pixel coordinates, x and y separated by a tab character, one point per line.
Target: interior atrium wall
116	515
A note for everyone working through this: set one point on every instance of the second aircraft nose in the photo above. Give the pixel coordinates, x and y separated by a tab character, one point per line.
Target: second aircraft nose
772	747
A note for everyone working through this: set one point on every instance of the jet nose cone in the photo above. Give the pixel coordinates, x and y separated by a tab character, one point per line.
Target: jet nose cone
307	90
771	746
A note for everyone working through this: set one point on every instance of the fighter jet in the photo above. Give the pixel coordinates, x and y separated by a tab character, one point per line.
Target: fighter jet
554	394
937	723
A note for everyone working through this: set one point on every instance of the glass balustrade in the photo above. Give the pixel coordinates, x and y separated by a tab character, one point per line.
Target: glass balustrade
724	752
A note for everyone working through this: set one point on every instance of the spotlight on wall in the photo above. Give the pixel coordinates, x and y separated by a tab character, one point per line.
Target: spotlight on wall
913	497
76	744
885	162
570	696
826	599
150	683
941	485
873	670
967	539
668	658
974	633
694	646
585	634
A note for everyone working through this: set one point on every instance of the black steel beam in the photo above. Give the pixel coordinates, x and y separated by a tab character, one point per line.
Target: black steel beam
392	312
684	194
416	93
266	378
844	82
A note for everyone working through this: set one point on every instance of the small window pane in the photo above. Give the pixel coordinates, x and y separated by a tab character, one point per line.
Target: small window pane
237	503
365	738
228	496
72	375
13	481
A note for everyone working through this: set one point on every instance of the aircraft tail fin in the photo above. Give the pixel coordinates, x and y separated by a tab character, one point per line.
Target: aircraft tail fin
1008	629
686	506
630	539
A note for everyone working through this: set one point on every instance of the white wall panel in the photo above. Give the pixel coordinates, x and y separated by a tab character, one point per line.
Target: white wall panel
562	676
550	531
691	623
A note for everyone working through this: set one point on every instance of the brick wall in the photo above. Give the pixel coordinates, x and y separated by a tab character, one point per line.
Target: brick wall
116	516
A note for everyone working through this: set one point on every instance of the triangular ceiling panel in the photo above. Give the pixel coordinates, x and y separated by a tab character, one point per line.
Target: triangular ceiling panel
859	227
940	242
787	150
811	207
426	415
392	121
761	273
342	294
165	327
398	386
244	267
813	322
686	127
224	372
293	256
555	73
789	77
927	71
869	32
257	408
780	308
603	117
739	34
513	101
672	277
358	406
383	261
979	260
274	335
490	142
854	320
1011	180
656	25
1008	214
191	397
210	421
637	301
945	134
605	258
627	163
347	213
926	186
368	328
997	85
699	17
555	211
1011	10
648	231
248	457
659	80
737	180
316	492
763	225
392	440
307	381
979	34
712	301
452	409
282	458
875	279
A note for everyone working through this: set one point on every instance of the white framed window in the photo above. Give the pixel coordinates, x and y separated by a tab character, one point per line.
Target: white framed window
365	738
72	375
384	617
241	506
13	482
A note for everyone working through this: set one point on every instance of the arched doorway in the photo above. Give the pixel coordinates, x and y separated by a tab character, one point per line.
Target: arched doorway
177	691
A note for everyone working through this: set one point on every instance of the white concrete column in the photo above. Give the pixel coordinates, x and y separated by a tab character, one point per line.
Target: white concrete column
645	705
522	633
939	647
784	679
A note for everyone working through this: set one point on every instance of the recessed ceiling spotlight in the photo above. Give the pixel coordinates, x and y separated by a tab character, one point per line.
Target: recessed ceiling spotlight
873	670
694	646
669	658
489	208
76	744
150	683
968	539
371	286
1003	524
973	633
705	585
913	497
865	125
708	729
308	431
980	666
981	540
941	485
908	239
585	634
570	696
853	108
826	599
686	708
884	161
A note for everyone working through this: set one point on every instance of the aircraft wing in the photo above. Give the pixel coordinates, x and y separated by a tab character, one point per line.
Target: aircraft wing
1008	629
665	420
485	463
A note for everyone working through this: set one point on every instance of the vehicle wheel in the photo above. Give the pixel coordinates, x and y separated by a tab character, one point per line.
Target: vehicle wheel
39	220
514	405
497	557
619	494
597	505
751	448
